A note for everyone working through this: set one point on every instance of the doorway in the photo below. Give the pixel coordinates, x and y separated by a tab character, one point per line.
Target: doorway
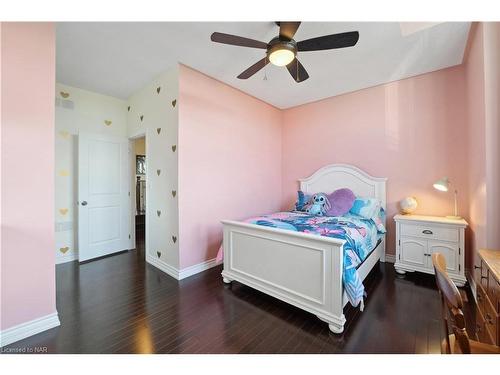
138	193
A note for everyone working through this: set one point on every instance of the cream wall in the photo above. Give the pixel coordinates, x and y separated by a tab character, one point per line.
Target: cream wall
77	110
152	111
140	146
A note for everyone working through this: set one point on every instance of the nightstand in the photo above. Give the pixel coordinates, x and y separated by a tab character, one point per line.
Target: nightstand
418	237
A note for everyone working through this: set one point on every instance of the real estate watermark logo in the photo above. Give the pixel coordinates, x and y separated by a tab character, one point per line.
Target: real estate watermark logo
25	349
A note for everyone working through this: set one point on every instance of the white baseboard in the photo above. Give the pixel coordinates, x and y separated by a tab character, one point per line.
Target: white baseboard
23	330
197	268
66	258
390	258
180	274
162	266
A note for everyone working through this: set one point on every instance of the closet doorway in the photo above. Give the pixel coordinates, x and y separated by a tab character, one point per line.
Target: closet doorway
138	193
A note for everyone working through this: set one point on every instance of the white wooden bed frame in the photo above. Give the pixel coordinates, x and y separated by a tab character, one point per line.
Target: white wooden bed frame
302	269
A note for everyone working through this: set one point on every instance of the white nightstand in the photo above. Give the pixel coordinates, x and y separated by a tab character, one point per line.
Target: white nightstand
417	237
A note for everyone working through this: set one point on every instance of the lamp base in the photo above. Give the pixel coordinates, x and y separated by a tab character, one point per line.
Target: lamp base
453	217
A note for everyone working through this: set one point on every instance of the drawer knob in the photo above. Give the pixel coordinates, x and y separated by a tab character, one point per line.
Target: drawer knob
476	267
427	231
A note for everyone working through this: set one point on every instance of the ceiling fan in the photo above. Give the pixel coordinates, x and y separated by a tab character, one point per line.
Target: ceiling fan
282	50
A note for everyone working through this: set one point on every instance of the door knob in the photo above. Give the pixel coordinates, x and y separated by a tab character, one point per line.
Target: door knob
84	203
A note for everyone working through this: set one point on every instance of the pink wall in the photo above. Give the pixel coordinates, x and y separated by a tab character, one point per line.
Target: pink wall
410	131
229	161
476	166
491	53
27	159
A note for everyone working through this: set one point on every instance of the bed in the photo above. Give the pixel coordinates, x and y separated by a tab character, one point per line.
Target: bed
299	268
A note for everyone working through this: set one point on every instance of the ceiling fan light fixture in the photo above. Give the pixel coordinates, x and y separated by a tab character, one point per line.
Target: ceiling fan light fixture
281	57
281	54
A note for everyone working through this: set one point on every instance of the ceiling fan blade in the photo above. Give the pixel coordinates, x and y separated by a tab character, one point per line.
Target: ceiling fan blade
341	40
288	29
297	71
254	68
237	40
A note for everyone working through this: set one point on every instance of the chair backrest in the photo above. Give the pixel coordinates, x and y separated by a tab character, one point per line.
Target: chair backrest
452	305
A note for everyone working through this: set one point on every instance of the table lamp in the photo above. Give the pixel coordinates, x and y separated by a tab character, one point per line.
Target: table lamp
444	185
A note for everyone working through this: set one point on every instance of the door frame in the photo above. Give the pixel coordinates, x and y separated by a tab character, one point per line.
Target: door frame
133	203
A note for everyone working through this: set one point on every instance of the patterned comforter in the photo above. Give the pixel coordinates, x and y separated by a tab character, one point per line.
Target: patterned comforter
360	235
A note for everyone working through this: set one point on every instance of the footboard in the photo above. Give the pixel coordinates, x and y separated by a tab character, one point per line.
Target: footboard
302	269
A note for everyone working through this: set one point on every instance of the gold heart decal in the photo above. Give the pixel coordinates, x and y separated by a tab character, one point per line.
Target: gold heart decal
174	193
64	250
128	109
158	253
108	122
174	239
158	212
174	147
64	134
158	130
142	117
63	173
158	90
64	94
174	102
158	171
63	211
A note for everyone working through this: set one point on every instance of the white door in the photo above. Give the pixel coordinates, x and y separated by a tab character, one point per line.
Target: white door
413	252
450	253
103	195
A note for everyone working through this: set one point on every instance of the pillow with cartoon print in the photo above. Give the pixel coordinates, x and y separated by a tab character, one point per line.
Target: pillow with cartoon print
368	208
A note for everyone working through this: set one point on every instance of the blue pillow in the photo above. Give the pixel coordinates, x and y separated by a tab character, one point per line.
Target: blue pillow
369	208
302	199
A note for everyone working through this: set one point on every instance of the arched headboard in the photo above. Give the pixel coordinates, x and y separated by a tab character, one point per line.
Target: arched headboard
336	176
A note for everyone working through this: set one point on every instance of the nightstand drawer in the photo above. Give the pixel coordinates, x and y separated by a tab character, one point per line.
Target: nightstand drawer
431	232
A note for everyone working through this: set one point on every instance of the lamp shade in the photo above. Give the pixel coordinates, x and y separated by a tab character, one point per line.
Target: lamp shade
442	185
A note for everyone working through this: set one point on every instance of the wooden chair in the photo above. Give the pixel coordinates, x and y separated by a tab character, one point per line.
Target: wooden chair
458	342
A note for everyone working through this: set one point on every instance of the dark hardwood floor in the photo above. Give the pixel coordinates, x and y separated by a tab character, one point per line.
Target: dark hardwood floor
120	304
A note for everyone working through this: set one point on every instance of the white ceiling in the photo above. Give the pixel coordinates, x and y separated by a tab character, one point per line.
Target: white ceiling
119	58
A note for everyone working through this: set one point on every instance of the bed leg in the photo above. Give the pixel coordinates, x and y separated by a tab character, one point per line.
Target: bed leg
336	328
226	280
